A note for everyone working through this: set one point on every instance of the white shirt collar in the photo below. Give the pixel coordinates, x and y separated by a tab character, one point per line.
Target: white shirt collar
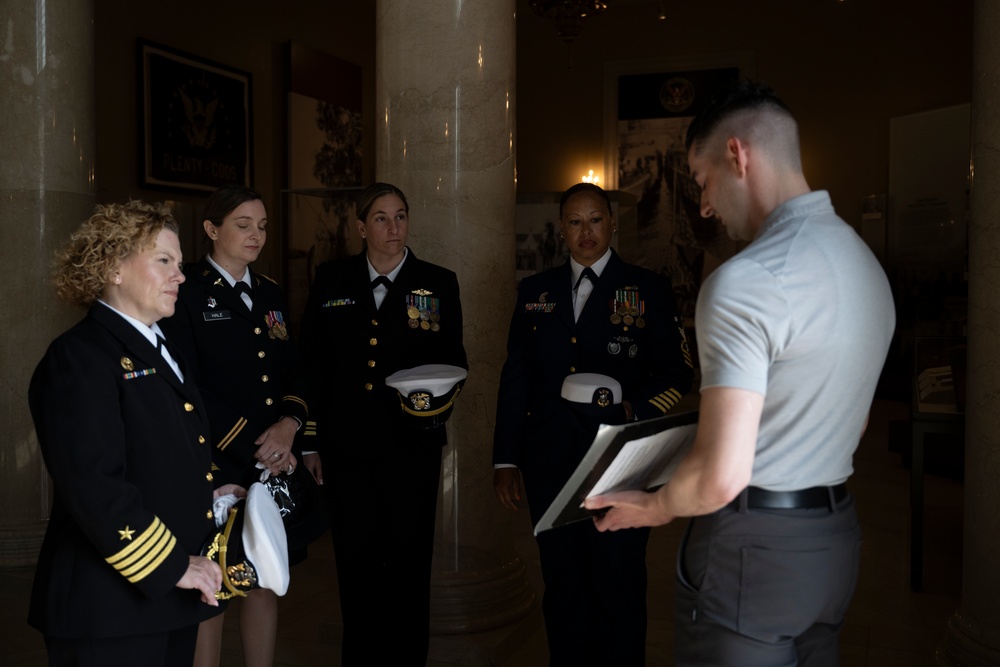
229	278
150	333
373	274
576	268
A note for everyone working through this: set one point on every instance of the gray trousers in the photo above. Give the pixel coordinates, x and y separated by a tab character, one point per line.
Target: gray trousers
766	587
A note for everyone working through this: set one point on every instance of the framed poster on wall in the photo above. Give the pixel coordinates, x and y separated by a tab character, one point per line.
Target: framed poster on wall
196	124
648	106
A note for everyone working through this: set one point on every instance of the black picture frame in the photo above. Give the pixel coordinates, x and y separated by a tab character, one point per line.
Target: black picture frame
196	125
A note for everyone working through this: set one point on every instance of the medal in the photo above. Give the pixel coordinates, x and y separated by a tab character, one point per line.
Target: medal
628	319
414	323
276	329
413	312
425	325
639	322
616	318
435	326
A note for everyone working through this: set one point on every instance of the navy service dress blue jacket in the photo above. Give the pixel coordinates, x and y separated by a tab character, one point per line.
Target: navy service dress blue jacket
126	444
644	350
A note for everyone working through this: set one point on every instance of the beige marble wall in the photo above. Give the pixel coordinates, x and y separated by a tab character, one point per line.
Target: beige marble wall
445	75
973	636
46	190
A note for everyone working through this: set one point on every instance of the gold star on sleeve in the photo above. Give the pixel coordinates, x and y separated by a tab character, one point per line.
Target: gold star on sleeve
126	534
145	553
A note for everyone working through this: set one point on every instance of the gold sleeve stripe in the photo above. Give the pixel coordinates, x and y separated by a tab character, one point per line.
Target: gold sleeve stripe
666	400
233	432
138	545
144	554
686	350
153	557
310	428
139	576
296	399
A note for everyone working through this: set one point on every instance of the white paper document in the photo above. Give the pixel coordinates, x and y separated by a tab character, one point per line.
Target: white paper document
637	456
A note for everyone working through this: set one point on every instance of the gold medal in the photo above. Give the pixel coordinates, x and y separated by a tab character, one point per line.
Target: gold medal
425	325
127	364
633	311
623	309
628	319
278	331
616	318
412	312
414	323
435	317
639	322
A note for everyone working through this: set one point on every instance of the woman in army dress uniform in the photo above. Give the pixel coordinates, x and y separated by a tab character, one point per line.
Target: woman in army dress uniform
123	433
367	317
595	314
230	324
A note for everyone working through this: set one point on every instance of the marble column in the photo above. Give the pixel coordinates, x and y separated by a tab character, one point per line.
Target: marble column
973	634
46	190
445	117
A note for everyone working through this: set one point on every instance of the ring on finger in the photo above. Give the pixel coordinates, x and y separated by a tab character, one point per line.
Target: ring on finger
277	455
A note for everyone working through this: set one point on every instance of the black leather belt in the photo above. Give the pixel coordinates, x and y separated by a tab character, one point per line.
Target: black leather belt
812	498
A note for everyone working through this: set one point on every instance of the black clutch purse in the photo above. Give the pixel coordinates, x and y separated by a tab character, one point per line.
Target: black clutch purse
301	504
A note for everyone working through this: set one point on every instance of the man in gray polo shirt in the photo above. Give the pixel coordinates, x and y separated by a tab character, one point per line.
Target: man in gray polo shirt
792	335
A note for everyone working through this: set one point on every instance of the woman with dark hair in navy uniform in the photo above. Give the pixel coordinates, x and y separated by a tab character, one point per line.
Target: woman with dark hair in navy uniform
595	314
367	317
123	433
230	324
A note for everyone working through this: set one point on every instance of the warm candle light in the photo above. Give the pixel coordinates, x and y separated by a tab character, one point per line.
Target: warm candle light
590	178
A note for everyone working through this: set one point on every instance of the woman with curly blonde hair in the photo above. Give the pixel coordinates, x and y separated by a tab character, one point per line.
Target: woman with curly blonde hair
123	438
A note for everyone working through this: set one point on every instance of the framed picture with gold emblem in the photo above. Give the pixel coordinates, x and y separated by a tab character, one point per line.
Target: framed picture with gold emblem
196	122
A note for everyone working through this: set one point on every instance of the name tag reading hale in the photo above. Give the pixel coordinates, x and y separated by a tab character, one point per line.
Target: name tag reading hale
211	315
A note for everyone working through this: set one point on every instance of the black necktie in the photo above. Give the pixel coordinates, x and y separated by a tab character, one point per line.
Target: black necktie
243	288
586	273
171	355
382	280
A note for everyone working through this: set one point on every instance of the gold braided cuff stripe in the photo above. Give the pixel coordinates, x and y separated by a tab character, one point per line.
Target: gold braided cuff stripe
310	428
145	553
666	400
233	432
296	399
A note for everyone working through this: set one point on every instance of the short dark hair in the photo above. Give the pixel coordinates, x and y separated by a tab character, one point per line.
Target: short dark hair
583	187
742	95
226	199
370	194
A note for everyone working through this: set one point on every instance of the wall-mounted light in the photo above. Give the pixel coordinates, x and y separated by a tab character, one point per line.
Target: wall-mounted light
589	177
662	15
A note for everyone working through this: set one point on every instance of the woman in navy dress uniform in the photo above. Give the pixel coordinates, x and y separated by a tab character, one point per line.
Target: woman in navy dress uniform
230	325
595	314
367	317
124	436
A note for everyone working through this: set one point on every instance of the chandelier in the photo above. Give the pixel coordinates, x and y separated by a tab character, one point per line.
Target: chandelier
567	14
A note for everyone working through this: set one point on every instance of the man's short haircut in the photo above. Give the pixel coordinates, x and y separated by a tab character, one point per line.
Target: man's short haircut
740	98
